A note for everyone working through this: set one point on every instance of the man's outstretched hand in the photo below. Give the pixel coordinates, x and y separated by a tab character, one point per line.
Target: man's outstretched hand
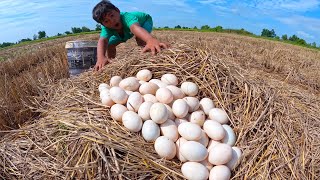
101	63
154	46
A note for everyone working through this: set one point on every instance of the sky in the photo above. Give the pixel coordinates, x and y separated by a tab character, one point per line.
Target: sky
21	19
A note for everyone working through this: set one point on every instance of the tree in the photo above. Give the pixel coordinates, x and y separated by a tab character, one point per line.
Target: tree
177	27
218	29
41	34
166	27
24	40
35	37
293	38
85	29
195	27
67	32
98	27
76	30
205	27
314	44
59	34
284	37
268	33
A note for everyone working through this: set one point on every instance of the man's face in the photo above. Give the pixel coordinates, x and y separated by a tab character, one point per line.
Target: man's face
112	20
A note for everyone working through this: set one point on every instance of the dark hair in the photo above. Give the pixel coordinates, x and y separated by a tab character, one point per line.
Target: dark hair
101	9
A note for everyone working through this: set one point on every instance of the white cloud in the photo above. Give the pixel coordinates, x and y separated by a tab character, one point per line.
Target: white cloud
180	5
211	1
287	5
304	35
302	21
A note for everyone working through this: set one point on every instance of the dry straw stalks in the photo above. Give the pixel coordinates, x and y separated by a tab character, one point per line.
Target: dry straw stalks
274	112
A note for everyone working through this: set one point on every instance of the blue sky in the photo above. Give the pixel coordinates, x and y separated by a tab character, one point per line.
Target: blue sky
23	18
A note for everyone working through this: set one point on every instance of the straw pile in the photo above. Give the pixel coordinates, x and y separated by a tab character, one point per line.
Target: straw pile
275	118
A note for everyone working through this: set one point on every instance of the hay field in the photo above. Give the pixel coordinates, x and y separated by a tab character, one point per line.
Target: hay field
270	91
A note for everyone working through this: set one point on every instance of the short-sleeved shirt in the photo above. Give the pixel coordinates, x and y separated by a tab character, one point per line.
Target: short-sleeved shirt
127	19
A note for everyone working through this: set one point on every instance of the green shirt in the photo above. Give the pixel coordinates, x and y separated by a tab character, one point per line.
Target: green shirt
127	19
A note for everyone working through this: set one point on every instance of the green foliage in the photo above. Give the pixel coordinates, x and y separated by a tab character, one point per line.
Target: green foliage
284	37
205	27
98	27
177	27
85	29
68	32
42	34
6	44
268	33
195	27
24	40
76	30
166	27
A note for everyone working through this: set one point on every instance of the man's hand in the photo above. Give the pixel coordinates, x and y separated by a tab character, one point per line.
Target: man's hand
101	63
154	46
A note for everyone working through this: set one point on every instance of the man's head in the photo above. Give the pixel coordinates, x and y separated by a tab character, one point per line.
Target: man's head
107	14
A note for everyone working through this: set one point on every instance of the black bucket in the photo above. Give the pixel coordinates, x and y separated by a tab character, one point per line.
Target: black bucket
82	55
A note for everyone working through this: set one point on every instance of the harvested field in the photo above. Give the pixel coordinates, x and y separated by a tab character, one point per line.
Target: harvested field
270	91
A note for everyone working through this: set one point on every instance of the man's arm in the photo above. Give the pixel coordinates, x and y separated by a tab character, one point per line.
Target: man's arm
151	43
101	51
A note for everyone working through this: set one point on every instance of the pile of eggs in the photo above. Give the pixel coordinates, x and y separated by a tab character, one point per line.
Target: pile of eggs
179	124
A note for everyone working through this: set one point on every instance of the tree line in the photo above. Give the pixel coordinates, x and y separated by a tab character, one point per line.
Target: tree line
43	35
266	33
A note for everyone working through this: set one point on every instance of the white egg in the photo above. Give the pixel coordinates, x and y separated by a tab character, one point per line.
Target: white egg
179	121
164	95
236	155
220	154
150	97
218	115
230	137
214	130
170	79
106	100
193	103
132	121
176	92
165	147
148	88
118	95
198	117
141	82
179	143
220	172
159	83
144	110
206	105
144	75
189	88
194	171
115	80
103	86
130	84
158	113
204	140
170	112
207	164
211	144
150	130
117	111
190	131
104	92
169	130
180	108
134	101
194	151
128	92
